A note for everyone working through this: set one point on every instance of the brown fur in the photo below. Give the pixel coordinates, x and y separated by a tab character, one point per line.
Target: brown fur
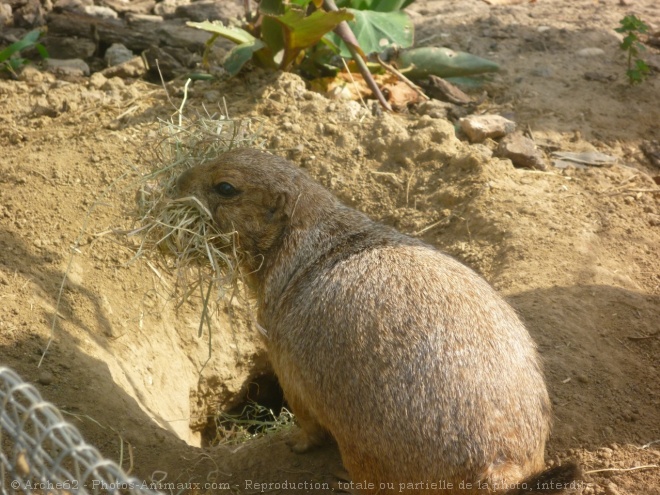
413	363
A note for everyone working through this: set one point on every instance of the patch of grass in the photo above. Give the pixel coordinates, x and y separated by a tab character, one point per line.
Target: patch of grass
10	58
633	27
254	421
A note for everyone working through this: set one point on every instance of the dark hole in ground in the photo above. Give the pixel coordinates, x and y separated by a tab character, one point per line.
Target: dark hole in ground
262	408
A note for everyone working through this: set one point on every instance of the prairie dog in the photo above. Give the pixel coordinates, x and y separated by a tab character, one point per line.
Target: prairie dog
412	362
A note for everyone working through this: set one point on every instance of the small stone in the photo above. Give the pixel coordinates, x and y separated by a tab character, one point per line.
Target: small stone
97	80
71	67
611	489
65	47
31	74
654	220
582	378
599	76
205	10
134	68
521	151
434	109
101	12
168	65
72	5
6	15
480	127
45	378
590	52
134	6
166	8
144	21
117	54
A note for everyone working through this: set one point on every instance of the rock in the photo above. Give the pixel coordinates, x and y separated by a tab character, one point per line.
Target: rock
169	66
433	108
70	67
97	80
440	89
166	8
143	21
100	12
72	5
65	47
179	35
611	489
134	6
6	15
209	10
521	151
45	378
599	76
117	54
480	127
654	220
134	68
31	14
31	74
590	52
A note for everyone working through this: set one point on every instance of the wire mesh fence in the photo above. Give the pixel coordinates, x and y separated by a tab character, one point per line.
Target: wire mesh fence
42	453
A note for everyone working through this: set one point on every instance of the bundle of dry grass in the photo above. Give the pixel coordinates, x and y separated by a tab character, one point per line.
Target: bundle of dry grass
182	228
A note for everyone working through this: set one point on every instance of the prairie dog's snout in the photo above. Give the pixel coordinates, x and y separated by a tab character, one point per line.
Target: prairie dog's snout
184	183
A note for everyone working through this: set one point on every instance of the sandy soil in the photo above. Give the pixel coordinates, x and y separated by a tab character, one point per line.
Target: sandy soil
575	251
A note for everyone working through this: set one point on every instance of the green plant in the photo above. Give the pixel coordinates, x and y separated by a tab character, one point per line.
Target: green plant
10	59
298	35
288	33
632	27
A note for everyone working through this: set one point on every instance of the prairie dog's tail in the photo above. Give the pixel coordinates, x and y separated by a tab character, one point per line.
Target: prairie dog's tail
554	480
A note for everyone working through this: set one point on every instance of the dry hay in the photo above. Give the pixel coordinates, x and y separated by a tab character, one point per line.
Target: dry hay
181	230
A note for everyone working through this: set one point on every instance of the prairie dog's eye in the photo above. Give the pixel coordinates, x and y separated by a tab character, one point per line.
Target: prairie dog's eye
226	190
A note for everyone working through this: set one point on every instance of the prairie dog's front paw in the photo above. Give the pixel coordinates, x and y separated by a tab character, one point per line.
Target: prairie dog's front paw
305	442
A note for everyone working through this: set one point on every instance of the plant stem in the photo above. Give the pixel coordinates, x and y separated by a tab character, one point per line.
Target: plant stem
347	36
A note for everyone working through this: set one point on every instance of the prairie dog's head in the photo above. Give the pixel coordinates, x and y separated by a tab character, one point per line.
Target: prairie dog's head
251	192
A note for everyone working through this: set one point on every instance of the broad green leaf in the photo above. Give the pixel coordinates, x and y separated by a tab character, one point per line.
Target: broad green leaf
375	5
237	35
272	33
27	41
240	54
271	7
418	63
42	50
376	31
302	31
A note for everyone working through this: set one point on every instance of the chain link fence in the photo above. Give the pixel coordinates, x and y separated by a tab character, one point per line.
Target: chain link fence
42	453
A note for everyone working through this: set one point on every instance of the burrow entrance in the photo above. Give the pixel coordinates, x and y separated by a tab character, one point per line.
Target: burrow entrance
262	409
